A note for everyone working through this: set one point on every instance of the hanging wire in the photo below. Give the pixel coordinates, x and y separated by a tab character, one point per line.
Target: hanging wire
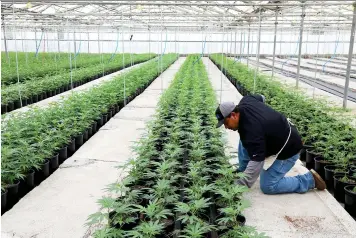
17	61
162	19
38	46
335	49
80	44
257	50
117	46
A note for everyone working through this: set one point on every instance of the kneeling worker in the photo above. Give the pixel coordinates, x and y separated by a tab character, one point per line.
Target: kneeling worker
265	132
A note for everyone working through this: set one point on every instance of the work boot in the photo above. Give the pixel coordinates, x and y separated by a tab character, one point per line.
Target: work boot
319	182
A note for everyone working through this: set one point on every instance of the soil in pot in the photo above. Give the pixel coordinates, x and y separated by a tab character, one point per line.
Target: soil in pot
42	173
3	201
79	140
320	164
12	194
340	184
62	154
309	159
54	163
350	200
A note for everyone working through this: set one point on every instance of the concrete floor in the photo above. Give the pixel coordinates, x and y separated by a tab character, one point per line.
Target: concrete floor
315	214
59	206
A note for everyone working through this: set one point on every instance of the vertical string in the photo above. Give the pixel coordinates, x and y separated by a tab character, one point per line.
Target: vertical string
17	62
70	60
123	63
161	49
222	57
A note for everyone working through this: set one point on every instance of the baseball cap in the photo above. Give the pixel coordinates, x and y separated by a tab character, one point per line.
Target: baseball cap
223	111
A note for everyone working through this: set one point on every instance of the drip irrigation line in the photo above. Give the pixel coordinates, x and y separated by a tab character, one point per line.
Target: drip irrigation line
38	46
202	52
296	48
333	56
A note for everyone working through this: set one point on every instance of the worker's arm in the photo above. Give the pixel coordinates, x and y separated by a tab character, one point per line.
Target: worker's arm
252	172
254	143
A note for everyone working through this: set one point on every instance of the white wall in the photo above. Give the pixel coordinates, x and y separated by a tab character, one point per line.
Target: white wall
140	42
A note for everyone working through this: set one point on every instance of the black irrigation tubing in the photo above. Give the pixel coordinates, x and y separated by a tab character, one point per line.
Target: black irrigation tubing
341	75
38	176
327	87
334	67
42	96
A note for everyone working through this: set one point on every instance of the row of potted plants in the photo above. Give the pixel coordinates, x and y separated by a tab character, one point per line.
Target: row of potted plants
328	139
33	91
180	183
32	138
32	67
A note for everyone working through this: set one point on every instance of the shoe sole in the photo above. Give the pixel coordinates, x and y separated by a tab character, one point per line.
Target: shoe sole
321	180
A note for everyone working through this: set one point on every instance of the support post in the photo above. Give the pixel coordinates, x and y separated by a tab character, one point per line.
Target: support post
248	43
349	61
300	44
274	42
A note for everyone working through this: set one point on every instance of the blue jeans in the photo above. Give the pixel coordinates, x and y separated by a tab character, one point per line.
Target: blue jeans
273	180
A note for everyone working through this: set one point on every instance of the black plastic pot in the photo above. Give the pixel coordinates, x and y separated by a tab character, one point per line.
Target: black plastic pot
27	184
329	176
309	159
10	106
54	163
62	154
352	170
3	201
90	131
58	91
3	109
105	118
13	194
42	173
339	187
53	92
49	94
24	102
117	109
320	164
350	200
100	122
71	148
85	136
94	127
79	140
303	152
34	98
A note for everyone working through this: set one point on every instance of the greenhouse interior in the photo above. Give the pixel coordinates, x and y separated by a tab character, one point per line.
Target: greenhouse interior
184	119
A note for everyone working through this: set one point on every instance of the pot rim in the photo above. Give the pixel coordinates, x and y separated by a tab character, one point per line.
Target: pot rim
351	186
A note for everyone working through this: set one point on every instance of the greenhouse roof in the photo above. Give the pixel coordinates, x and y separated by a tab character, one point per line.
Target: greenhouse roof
176	15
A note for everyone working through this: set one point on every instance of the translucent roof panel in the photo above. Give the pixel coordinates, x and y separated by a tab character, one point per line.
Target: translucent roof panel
191	15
